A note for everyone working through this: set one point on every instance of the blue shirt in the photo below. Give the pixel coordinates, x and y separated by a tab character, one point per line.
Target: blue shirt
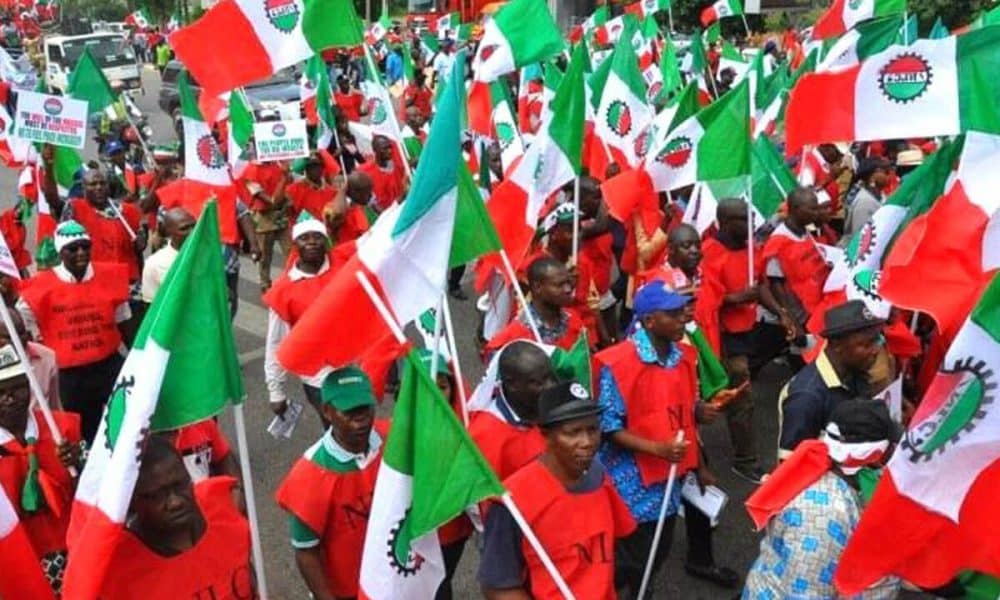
642	501
393	67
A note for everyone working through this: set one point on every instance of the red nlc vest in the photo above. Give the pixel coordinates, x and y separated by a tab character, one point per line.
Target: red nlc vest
290	299
577	530
336	507
659	402
77	320
803	265
111	242
507	448
726	270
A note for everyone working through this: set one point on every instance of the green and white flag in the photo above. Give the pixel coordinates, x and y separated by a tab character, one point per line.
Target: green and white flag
772	180
505	125
713	145
431	471
670	67
182	368
866	39
623	112
203	160
241	123
87	82
378	30
139	18
730	58
447	25
522	32
381	115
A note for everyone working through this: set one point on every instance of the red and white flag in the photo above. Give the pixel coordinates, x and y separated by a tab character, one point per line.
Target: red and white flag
21	577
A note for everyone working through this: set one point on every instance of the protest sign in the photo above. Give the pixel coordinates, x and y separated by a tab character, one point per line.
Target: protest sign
55	120
281	140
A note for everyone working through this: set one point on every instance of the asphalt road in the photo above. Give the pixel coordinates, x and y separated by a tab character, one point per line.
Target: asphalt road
735	543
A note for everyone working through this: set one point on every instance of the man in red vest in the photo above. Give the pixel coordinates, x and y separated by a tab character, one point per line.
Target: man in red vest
328	493
287	301
794	266
311	193
78	308
388	179
33	469
504	409
568	500
183	540
648	390
114	226
348	219
552	292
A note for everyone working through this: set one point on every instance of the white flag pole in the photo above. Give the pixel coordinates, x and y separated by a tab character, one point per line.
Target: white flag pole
438	322
576	220
520	295
251	502
529	534
750	231
121	217
453	350
382	309
672	477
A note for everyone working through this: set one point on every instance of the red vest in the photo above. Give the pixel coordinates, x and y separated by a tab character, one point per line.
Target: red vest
46	527
217	567
305	197
355	224
598	251
803	265
725	271
77	320
506	447
111	242
659	402
577	530
386	187
336	506
290	299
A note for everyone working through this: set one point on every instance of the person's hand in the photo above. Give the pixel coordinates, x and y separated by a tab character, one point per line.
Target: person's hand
791	327
69	455
255	253
706	413
139	243
279	408
751	294
704	477
674	450
722	399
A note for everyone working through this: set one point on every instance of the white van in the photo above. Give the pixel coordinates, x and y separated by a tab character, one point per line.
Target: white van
110	27
111	51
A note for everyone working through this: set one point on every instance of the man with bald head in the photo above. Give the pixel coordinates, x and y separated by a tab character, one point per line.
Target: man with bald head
348	217
177	225
388	178
414	133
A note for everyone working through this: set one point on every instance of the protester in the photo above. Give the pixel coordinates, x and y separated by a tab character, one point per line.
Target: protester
349	101
265	184
872	178
569	503
328	492
55	302
177	225
388	179
417	95
182	539
42	360
310	193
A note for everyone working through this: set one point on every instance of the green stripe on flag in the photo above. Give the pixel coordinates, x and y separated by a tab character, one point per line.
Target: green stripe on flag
772	179
625	65
978	88
428	442
474	233
712	377
687	105
331	23
568	105
190	319
88	83
986	314
922	187
724	149
240	118
574	364
189	106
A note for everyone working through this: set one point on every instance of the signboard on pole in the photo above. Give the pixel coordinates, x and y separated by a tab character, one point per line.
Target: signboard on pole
281	140
47	119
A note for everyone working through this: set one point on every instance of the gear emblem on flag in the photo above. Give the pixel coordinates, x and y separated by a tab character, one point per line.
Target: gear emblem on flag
642	142
283	14
411	562
855	4
865	286
676	152
861	245
960	398
377	110
654	90
487	51
208	152
905	78
619	118
505	135
114	414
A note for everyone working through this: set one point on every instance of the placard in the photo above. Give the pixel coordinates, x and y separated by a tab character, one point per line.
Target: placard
47	119
281	140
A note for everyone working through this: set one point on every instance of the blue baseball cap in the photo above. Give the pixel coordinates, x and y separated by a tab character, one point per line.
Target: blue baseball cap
656	295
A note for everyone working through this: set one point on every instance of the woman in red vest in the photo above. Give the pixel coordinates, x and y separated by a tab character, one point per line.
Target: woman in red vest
569	503
328	493
78	308
182	540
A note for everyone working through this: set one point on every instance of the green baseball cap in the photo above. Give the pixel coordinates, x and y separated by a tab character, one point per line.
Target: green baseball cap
346	389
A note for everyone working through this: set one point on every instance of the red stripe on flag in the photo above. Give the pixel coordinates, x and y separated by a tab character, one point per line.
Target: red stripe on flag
218	69
94	547
821	109
480	108
831	23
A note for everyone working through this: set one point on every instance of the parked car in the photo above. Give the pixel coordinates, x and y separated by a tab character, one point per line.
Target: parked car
266	97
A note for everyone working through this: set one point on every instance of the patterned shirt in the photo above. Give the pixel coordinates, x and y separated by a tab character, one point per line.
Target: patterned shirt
642	501
550	335
803	543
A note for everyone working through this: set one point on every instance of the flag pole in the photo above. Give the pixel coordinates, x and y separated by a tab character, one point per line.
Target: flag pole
672	477
750	248
437	336
529	534
340	150
745	26
453	349
576	221
36	389
670	20
382	309
251	502
520	295
121	217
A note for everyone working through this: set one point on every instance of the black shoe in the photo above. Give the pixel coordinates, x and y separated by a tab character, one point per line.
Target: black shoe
751	473
721	576
457	294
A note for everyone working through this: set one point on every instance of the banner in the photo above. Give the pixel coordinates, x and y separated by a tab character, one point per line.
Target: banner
281	140
55	120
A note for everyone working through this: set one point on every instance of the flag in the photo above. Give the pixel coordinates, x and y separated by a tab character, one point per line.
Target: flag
861	42
405	256
731	58
623	112
381	114
713	33
721	9
182	369
938	31
936	498
573	364
139	19
772	180
670	68
431	471
521	32
317	101
647	8
908	31
241	123
88	83
22	577
378	30
504	125
713	145
446	24
261	38
551	161
175	22
843	15
954	247
931	88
